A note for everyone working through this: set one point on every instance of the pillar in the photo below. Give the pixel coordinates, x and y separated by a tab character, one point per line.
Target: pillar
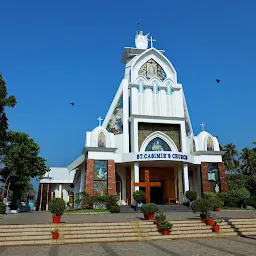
205	183
136	175
223	179
60	190
185	177
89	179
180	184
111	177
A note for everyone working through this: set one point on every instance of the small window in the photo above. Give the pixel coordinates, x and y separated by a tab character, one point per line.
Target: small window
102	140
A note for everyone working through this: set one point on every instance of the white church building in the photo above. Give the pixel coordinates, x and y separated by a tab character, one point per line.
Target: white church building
147	128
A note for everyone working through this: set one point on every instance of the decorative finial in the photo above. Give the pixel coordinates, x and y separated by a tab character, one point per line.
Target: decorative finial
99	119
203	125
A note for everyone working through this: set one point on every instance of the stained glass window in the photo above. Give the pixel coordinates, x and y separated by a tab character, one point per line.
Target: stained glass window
210	145
157	144
100	177
115	124
213	177
152	69
102	140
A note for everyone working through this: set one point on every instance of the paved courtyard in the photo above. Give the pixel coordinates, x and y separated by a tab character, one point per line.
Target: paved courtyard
46	217
218	246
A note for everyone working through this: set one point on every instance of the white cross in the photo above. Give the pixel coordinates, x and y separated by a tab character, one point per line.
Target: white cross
99	119
203	125
151	40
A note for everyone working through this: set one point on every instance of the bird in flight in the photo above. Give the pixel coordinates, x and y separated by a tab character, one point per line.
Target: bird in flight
72	103
217	80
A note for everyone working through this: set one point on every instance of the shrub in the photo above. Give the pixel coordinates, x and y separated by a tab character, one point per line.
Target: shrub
191	195
82	199
109	200
160	216
139	195
165	225
2	208
57	206
115	209
202	205
149	208
254	202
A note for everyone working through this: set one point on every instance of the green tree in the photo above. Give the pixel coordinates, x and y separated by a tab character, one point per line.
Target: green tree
4	102
229	157
21	162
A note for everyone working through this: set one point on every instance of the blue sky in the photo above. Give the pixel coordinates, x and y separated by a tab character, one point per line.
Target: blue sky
55	52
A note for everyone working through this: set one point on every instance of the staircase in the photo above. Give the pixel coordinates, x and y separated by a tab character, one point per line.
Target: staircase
244	227
16	235
77	233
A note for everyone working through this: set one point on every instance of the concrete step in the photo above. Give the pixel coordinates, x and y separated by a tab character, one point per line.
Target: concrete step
248	233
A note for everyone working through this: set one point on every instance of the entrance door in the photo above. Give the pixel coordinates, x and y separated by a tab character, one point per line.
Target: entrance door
157	194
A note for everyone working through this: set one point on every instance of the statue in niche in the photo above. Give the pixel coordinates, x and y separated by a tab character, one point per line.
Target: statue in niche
157	147
141	41
217	188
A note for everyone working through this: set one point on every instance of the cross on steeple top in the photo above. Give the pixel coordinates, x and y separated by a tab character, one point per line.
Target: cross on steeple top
151	40
203	125
99	119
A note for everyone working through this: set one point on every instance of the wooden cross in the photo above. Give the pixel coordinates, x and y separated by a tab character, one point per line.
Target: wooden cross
147	184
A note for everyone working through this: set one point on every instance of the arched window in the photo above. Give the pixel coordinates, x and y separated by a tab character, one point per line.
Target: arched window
157	144
102	140
152	69
210	145
168	88
141	83
155	87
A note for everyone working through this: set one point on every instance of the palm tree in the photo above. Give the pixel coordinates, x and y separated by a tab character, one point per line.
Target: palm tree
245	158
229	156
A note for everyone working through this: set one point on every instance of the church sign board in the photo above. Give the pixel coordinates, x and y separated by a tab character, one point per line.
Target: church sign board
157	155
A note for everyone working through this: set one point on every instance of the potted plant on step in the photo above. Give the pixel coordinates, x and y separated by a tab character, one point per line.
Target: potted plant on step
55	234
209	219
57	207
216	226
165	227
149	210
202	206
160	217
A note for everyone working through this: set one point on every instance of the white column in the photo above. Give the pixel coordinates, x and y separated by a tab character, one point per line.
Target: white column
185	177
136	175
60	190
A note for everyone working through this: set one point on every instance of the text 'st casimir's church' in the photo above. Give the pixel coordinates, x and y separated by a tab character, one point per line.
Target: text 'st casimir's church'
147	128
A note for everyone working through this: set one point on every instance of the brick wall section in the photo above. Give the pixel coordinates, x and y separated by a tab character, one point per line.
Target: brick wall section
89	177
111	177
223	178
205	183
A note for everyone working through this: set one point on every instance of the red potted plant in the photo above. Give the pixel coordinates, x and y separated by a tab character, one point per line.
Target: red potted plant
55	234
165	227
217	209
216	226
57	207
209	219
149	210
160	217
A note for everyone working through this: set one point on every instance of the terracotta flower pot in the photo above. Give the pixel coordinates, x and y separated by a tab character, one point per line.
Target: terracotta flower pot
55	235
216	228
151	216
210	222
165	232
158	222
217	209
145	216
56	219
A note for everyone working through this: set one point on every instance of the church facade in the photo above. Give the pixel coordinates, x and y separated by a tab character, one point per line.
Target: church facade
147	136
